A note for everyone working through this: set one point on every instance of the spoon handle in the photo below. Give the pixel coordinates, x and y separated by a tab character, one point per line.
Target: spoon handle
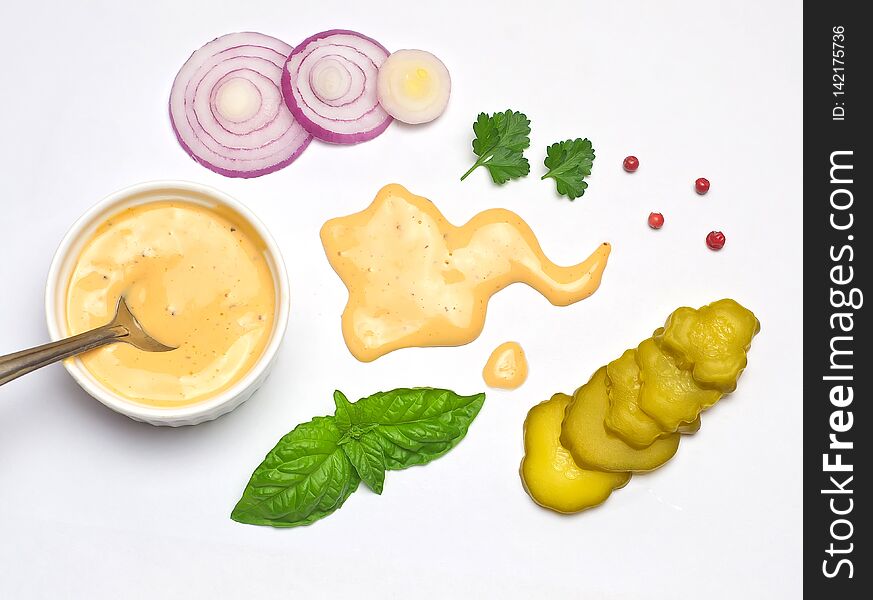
13	366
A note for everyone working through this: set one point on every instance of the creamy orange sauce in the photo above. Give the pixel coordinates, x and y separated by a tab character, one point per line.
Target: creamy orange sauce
414	279
506	367
196	278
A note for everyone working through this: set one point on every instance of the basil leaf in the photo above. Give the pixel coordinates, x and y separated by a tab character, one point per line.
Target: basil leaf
417	425
344	408
304	478
313	470
355	432
366	457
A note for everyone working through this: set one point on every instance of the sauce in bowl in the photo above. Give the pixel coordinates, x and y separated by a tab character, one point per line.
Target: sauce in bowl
197	278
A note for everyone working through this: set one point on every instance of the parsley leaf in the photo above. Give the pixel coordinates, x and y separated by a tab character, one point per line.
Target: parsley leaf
569	163
500	143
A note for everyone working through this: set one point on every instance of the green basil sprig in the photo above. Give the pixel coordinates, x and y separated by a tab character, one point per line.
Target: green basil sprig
313	470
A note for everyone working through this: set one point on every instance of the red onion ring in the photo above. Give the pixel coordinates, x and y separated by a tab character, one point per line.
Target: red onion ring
227	111
329	84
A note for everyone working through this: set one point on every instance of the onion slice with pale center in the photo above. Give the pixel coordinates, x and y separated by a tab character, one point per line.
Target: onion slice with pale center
227	111
329	84
414	86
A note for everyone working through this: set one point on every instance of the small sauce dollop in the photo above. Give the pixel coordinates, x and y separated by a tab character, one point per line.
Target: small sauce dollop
196	278
506	367
414	279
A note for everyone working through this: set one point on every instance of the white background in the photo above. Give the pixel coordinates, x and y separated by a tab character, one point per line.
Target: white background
93	505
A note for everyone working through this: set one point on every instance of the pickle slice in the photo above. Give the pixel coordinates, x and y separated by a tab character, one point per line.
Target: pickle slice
669	393
625	418
548	473
690	428
712	341
593	446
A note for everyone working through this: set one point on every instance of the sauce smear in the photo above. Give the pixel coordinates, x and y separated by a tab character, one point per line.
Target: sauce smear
196	278
506	367
414	279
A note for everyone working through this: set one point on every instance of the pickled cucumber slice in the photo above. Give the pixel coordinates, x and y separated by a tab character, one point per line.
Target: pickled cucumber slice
669	393
690	428
548	473
625	418
712	341
592	446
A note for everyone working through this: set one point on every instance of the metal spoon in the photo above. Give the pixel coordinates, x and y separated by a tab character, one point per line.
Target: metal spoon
123	328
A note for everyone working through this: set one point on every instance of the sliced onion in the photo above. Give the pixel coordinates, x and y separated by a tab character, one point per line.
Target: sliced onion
414	86
227	109
329	84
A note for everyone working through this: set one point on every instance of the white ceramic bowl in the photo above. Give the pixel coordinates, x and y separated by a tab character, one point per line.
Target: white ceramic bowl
68	253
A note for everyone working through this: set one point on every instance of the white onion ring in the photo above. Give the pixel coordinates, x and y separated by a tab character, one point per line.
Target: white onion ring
329	84
227	111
